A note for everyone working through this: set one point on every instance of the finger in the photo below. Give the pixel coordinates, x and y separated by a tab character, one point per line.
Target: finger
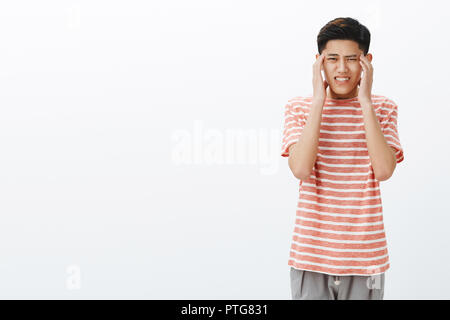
361	58
362	65
366	62
321	61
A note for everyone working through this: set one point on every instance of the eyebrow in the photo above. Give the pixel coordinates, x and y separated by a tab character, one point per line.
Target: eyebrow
335	54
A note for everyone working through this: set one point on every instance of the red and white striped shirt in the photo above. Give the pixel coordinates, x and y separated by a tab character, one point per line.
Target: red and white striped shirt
339	226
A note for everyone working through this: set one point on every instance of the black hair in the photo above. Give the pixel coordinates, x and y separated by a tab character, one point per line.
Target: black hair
344	29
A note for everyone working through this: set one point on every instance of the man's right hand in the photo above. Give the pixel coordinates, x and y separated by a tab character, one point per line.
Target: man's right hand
319	84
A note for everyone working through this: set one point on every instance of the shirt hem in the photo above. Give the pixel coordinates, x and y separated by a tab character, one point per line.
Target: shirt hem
292	264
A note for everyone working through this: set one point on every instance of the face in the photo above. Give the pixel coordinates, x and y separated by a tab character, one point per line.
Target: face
342	61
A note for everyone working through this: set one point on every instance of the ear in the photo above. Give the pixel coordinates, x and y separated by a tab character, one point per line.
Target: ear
369	57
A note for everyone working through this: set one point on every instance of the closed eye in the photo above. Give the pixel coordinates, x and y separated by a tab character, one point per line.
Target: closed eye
335	59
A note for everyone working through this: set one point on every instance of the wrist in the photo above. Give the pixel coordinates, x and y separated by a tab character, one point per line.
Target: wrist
365	102
318	100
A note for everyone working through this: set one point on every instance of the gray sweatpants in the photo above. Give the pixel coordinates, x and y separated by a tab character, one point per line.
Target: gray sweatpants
308	285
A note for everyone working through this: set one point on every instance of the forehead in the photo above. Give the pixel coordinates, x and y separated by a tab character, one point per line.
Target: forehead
342	47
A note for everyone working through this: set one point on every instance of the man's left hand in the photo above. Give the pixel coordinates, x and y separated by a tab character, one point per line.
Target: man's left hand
365	88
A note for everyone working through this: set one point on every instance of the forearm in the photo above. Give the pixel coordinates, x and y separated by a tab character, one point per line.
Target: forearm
381	154
304	152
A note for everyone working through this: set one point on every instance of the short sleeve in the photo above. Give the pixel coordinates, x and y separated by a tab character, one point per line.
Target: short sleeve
390	130
294	121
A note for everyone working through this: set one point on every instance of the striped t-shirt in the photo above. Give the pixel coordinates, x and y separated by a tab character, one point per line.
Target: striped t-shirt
339	226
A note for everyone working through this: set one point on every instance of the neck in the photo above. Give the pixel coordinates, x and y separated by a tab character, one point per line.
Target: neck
333	95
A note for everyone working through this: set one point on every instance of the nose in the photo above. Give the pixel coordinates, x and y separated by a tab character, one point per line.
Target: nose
342	67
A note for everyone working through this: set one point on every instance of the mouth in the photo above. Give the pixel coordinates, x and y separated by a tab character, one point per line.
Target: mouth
342	80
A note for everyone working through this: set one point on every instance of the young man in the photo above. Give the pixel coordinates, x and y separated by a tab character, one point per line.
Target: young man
341	142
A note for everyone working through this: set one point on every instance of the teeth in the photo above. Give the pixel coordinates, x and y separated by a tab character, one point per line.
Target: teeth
342	79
